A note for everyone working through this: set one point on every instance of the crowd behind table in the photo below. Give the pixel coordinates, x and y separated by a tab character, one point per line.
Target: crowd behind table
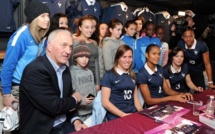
57	75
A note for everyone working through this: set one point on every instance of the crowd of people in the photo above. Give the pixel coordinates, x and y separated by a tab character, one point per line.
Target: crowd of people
55	74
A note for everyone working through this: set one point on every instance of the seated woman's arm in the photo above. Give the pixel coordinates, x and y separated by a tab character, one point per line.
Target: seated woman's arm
191	85
152	101
110	106
137	103
177	96
147	96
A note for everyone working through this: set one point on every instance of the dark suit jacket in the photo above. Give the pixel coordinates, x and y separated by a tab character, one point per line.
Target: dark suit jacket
40	100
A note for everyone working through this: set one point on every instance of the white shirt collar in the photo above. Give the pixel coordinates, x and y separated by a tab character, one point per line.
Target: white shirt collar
174	71
149	70
193	46
55	66
120	72
90	2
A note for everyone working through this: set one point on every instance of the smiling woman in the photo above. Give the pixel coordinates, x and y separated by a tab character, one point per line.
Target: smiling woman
119	91
151	81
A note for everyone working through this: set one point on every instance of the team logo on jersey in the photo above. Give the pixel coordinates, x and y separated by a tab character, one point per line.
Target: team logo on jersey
59	4
95	9
183	74
117	81
150	19
171	77
196	52
150	79
161	75
119	14
177	86
85	9
126	16
192	61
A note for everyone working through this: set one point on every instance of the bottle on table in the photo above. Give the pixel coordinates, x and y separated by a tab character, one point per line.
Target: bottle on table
210	107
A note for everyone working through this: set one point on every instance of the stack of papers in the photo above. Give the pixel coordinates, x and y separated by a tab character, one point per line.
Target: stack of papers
209	121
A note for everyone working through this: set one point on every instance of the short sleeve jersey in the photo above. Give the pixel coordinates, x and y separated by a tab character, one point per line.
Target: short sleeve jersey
194	56
154	80
122	91
177	79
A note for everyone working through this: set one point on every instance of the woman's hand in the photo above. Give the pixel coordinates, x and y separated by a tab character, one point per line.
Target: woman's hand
125	114
199	89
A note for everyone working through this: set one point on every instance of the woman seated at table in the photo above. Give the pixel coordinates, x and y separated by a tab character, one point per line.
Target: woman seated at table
119	91
152	83
176	73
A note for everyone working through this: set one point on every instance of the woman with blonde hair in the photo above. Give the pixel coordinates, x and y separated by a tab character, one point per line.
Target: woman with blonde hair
23	47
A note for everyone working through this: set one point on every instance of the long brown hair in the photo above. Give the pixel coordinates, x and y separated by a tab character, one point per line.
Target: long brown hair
80	22
119	53
37	32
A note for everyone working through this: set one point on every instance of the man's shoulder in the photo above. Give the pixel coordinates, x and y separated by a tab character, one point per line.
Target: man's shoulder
37	63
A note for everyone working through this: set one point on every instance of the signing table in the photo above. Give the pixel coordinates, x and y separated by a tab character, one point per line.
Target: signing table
138	124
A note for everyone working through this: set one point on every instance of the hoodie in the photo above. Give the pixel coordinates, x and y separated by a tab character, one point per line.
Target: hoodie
109	49
83	82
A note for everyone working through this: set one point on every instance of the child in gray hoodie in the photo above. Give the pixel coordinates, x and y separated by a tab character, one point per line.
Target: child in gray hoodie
82	80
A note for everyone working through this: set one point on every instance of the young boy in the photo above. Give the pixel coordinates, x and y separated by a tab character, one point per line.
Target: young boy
82	80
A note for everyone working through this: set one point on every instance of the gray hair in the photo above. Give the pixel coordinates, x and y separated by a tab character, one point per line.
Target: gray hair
54	34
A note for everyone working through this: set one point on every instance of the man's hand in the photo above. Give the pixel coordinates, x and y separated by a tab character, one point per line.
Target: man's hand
77	95
8	100
78	125
190	13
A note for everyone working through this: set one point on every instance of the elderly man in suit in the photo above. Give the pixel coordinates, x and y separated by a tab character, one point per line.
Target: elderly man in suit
47	102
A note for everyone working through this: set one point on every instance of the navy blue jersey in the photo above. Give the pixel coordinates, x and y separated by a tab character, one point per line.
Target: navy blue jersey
194	56
55	6
148	16
154	80
7	23
165	23
94	9
116	12
177	79
122	92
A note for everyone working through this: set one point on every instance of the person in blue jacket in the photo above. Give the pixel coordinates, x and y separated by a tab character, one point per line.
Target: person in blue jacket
130	29
119	91
23	47
152	83
176	73
143	42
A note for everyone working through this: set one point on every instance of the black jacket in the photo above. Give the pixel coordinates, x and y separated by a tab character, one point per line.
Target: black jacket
40	100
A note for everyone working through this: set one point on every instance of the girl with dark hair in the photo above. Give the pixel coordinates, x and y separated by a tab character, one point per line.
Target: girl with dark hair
143	42
102	32
112	43
130	29
151	81
119	91
86	27
59	20
176	73
159	30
